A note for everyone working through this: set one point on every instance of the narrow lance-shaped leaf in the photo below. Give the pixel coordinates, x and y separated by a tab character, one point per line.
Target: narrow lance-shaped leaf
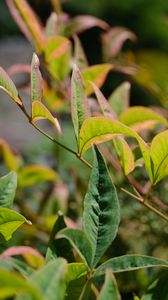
129	263
101	215
8	185
159	156
80	242
39	112
109	289
119	99
97	74
8	86
10	220
80	56
78	101
51	25
36	79
158	289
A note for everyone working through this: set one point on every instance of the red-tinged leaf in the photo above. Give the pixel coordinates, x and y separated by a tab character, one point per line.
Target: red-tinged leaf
51	25
7	85
39	112
79	109
114	39
84	22
57	54
19	68
97	74
32	23
104	105
80	56
36	79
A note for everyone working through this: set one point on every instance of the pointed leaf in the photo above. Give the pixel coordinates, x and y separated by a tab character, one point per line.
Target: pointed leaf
109	289
158	289
129	263
36	79
97	74
33	25
10	159
136	115
80	56
78	100
39	112
80	242
125	154
101	215
57	54
8	86
34	174
51	25
8	185
119	99
12	284
159	156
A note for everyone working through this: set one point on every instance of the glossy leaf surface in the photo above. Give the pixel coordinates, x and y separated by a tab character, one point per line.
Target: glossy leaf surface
8	185
101	209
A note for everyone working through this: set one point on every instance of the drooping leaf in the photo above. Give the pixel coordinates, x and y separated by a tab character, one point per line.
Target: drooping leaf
40	111
97	130
7	85
8	185
80	242
58	247
136	116
30	19
78	101
125	154
34	174
158	289
109	289
36	79
114	39
119	99
97	74
129	263
10	159
79	55
101	215
159	156
50	280
12	284
10	220
57	54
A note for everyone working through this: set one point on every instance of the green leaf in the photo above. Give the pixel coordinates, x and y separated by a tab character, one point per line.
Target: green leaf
158	289
78	101
10	220
34	174
101	215
10	159
75	271
58	247
50	280
80	57
139	116
80	242
36	79
8	185
12	284
7	85
97	74
40	111
129	263
125	154
58	54
159	156
119	99
97	130
29	23
109	289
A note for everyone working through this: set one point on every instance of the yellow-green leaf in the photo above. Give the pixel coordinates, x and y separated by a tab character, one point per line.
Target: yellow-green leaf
57	52
8	86
10	159
10	220
119	99
36	79
39	112
34	174
125	154
97	74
